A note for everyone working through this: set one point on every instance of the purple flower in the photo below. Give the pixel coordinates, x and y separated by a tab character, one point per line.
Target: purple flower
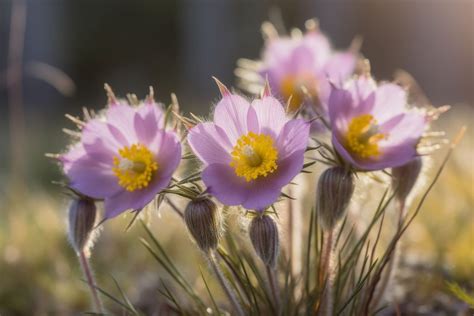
250	151
305	61
125	157
372	128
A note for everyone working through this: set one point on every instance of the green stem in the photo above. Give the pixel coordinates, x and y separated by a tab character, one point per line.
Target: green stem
84	261
224	283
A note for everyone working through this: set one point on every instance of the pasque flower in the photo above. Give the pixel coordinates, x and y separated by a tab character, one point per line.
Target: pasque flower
304	61
250	151
372	127
125	157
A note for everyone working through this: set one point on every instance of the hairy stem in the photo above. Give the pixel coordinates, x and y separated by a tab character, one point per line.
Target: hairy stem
326	275
224	283
274	287
84	261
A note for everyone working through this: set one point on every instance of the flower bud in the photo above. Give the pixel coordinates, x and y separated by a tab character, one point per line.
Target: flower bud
82	217
204	223
404	178
333	194
263	233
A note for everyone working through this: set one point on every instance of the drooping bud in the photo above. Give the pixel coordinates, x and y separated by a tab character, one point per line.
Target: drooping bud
333	194
404	178
82	218
204	223
263	233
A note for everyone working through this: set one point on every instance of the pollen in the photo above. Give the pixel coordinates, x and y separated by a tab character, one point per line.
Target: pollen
363	136
254	156
134	167
292	86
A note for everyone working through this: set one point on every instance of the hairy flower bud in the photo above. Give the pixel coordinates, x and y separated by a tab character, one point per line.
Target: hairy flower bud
263	233
204	223
82	217
333	194
404	178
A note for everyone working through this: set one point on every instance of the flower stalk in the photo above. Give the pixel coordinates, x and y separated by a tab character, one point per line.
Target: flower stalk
211	256
90	279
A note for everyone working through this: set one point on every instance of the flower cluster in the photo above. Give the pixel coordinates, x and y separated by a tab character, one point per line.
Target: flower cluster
251	152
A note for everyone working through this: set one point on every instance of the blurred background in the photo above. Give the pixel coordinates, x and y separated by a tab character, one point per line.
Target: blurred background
56	55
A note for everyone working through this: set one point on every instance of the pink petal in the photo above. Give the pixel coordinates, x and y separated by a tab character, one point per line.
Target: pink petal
224	184
340	66
147	120
292	138
89	176
271	115
390	100
136	200
210	143
231	115
168	149
122	116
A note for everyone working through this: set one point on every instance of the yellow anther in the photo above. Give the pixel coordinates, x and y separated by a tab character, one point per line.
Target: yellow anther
293	85
254	156
363	136
134	167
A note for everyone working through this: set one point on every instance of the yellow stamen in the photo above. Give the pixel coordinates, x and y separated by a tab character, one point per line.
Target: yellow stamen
362	136
254	156
134	167
291	86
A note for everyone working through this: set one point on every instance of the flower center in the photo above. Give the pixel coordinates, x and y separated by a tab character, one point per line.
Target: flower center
254	156
291	85
134	167
363	136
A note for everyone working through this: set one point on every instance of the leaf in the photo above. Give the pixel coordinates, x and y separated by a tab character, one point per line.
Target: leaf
460	293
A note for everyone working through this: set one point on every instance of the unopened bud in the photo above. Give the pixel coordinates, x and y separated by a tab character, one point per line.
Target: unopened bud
204	223
333	194
263	233
404	178
82	217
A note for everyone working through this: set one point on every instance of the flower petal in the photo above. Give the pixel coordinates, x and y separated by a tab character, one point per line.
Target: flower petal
210	143
88	175
403	128
339	108
168	149
231	115
340	66
122	116
390	100
293	137
271	115
147	120
224	184
136	200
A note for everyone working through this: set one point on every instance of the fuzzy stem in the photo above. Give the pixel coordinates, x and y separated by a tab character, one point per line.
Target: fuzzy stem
290	230
84	261
326	276
224	283
274	287
393	260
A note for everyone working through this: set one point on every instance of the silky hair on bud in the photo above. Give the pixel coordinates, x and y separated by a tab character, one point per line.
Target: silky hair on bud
263	233
204	222
82	217
333	194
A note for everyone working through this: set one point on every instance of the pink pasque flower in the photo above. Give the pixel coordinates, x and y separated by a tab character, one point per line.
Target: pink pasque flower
250	151
372	127
291	63
125	157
